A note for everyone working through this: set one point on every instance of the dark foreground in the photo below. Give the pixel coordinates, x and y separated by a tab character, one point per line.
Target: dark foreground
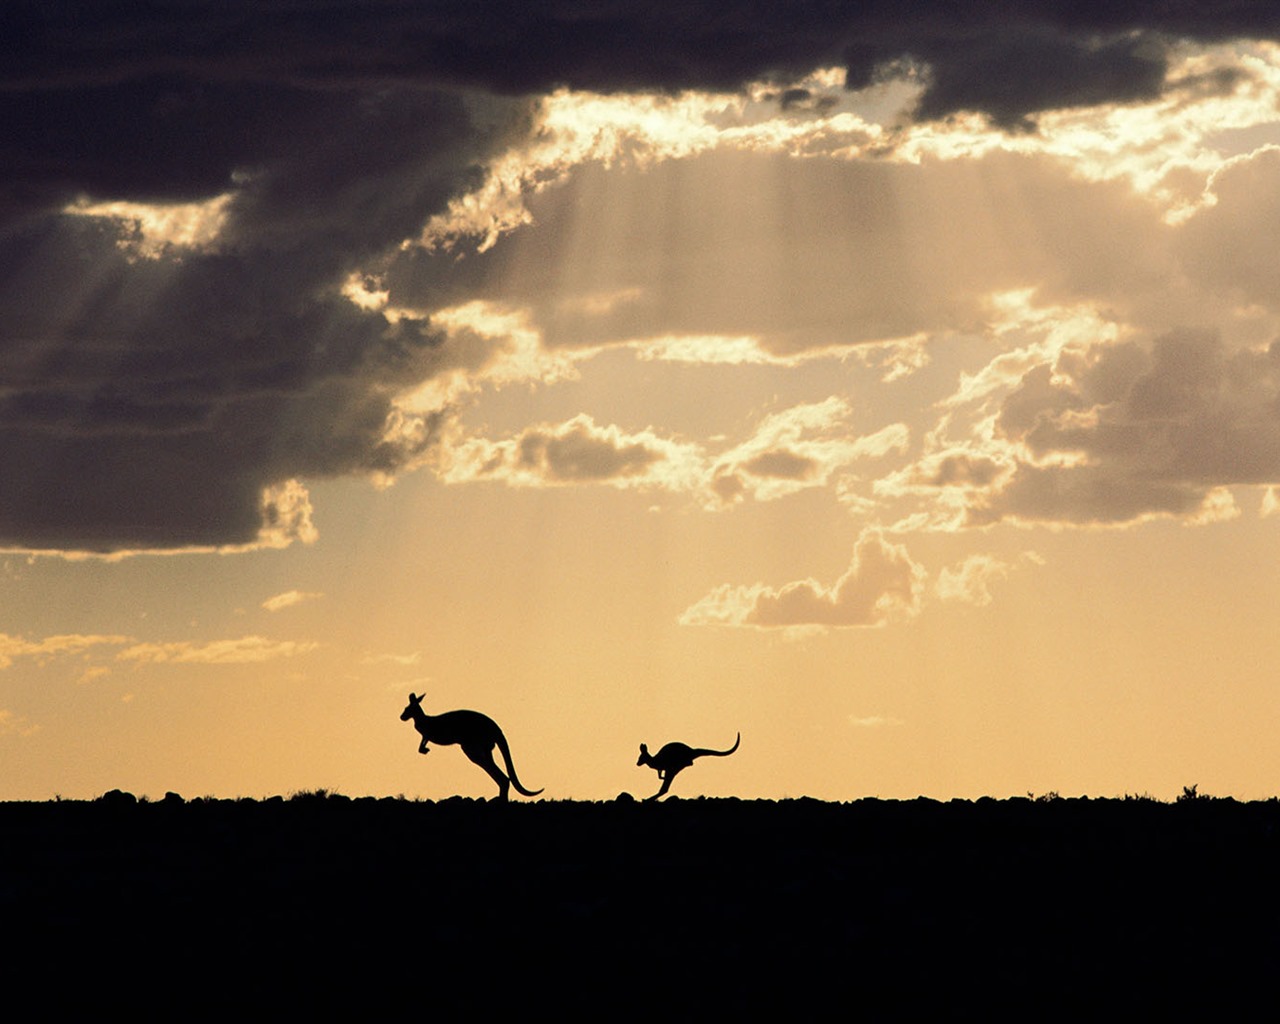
603	911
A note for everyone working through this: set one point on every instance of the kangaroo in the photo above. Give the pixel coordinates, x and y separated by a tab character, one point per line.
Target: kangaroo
476	733
674	758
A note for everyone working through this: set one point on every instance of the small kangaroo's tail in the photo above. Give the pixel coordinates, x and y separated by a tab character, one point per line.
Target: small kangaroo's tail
719	753
511	768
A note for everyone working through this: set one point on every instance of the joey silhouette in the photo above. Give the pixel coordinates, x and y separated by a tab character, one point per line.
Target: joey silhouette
477	734
674	758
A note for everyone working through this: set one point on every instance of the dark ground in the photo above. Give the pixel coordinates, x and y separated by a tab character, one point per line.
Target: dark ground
621	910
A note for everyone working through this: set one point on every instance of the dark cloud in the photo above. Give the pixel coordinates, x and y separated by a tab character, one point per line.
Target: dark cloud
148	402
797	98
1086	496
1142	431
1008	57
1010	75
728	486
783	464
1229	245
578	451
958	470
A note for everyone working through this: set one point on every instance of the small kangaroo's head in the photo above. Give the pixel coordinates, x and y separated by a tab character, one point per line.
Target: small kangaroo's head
414	705
644	755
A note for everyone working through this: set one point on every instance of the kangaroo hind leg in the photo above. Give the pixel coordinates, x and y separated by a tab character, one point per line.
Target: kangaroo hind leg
483	756
666	778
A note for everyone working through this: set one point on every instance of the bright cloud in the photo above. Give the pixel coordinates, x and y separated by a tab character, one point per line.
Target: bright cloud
575	452
881	584
405	660
155	228
970	581
706	349
798	448
575	127
1167	149
288	599
93	673
874	721
286	516
244	650
801	447
14	647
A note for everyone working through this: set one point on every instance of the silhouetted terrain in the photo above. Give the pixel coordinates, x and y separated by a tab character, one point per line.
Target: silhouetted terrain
614	910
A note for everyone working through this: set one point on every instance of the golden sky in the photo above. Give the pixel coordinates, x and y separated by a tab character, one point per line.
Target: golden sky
927	437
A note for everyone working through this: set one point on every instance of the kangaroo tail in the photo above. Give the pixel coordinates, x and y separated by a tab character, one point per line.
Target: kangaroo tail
719	753
511	768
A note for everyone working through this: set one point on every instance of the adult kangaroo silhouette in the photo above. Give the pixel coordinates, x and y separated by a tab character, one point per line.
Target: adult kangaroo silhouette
674	758
476	733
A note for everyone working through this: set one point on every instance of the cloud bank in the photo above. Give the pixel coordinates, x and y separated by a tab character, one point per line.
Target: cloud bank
186	200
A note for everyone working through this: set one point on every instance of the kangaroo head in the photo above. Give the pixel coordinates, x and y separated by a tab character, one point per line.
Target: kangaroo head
644	755
415	704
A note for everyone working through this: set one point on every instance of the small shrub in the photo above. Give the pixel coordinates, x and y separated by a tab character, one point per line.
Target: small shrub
315	794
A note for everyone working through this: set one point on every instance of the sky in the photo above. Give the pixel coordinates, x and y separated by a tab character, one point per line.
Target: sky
896	387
